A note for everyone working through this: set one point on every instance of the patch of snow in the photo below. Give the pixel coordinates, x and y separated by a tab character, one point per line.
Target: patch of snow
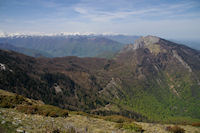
20	131
27	34
2	67
57	88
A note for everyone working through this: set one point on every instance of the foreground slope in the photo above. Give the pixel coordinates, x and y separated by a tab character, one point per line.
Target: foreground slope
74	123
14	119
151	80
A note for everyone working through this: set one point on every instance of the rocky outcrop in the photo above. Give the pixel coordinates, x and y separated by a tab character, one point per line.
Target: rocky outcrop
145	41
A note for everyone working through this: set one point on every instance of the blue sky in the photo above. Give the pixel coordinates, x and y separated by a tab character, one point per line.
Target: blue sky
164	18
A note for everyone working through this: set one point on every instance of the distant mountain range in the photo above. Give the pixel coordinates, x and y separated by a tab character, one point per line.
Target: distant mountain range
195	44
71	45
104	46
124	39
150	80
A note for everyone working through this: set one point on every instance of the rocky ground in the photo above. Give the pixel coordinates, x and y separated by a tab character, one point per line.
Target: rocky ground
20	122
40	124
161	128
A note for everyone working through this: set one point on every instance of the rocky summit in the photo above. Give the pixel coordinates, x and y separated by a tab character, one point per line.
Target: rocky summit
145	41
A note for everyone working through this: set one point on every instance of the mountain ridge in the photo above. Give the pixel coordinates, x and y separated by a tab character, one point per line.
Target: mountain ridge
151	83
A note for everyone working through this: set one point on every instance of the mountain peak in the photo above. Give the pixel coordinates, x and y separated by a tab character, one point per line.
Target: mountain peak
149	41
145	41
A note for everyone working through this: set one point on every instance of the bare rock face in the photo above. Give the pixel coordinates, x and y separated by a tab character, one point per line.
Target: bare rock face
145	41
142	43
161	51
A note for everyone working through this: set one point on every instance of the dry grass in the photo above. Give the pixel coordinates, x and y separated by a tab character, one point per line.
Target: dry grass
80	123
161	128
40	124
130	126
117	119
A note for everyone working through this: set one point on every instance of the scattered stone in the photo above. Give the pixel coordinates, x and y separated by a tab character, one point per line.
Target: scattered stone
14	123
20	131
15	118
3	122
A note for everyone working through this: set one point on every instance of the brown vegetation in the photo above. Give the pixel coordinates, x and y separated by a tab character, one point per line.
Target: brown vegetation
11	101
45	110
175	129
25	105
197	124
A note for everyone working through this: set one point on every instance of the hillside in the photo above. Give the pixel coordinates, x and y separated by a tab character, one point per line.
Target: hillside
161	79
38	117
152	80
59	46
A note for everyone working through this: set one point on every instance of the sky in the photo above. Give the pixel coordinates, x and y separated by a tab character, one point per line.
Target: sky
163	18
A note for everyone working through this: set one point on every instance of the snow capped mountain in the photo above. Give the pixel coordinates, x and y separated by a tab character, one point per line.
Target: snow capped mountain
21	34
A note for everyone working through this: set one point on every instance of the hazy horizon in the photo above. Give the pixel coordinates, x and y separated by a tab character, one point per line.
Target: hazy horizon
172	19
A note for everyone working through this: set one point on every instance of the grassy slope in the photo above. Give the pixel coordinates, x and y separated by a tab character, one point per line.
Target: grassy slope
18	117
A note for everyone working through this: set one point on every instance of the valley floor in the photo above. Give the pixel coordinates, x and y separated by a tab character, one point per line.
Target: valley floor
13	121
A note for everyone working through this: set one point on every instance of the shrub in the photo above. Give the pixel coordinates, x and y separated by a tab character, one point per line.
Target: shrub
86	114
119	125
45	110
175	129
133	126
56	131
130	126
52	114
27	109
197	124
31	109
64	113
11	101
117	118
